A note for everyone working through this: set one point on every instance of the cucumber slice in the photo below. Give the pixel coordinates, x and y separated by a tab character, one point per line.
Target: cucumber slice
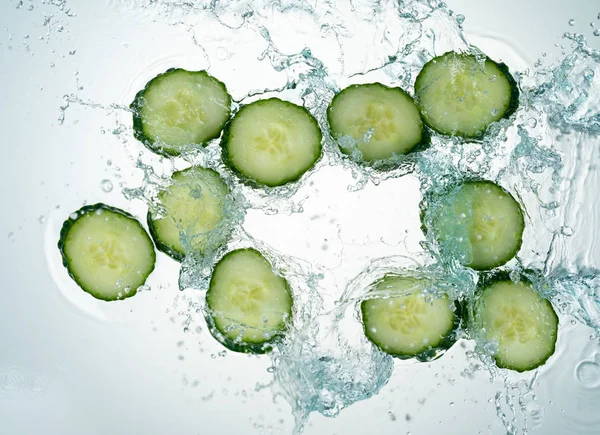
179	109
106	251
380	121
248	304
271	142
459	95
190	208
522	322
477	222
402	321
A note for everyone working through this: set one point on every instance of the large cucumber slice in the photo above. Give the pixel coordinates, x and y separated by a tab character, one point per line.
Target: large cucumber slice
248	304
523	323
406	321
191	207
378	120
106	251
271	142
180	109
459	94
477	222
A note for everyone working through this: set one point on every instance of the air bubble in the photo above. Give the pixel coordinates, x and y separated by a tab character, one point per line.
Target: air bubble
460	18
588	74
571	22
106	185
588	373
597	32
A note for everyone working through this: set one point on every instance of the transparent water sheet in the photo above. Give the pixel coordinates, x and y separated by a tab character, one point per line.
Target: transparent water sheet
148	364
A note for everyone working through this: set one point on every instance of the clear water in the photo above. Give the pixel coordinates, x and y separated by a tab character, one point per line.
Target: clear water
330	235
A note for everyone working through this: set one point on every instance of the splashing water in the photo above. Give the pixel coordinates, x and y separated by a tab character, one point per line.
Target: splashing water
546	154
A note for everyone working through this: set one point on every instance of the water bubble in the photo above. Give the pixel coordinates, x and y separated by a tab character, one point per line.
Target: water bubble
72	52
12	237
597	32
571	22
392	415
223	353
42	219
566	231
588	74
588	373
532	122
106	185
12	381
460	18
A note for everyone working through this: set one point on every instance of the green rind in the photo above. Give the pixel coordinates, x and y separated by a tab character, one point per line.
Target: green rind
238	346
383	164
68	224
240	173
486	280
427	199
162	247
433	353
138	125
512	108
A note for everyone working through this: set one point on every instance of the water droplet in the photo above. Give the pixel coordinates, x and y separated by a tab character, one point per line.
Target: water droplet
42	219
12	381
588	74
52	64
588	373
532	122
597	32
11	236
566	231
223	353
571	22
392	415
223	53
106	185
72	52
460	18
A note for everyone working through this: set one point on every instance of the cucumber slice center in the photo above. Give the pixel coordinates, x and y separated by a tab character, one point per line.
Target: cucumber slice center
274	141
515	325
379	117
249	297
405	315
183	110
107	252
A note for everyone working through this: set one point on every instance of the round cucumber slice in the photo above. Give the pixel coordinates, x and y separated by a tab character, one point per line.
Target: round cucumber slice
248	304
523	323
477	222
180	109
271	142
405	322
106	251
378	120
191	207
461	95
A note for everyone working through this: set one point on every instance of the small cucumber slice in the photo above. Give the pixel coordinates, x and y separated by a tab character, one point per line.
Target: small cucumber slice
248	304
402	321
477	222
271	142
180	109
106	251
191	207
524	324
460	95
379	120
